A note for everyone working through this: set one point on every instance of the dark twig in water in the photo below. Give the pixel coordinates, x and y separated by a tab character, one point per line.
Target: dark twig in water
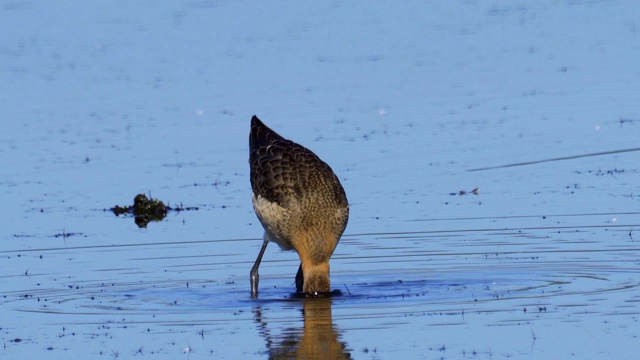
533	334
475	191
216	183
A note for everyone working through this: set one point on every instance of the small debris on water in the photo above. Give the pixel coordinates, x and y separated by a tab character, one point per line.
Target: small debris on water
475	191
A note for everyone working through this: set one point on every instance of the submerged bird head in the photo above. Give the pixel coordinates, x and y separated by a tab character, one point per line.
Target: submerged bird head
316	278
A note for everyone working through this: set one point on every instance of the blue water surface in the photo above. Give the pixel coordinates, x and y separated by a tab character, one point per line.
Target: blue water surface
414	105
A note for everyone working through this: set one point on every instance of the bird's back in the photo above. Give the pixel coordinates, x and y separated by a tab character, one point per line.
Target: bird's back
292	182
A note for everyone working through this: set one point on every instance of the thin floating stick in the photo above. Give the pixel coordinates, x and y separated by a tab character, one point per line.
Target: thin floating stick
556	159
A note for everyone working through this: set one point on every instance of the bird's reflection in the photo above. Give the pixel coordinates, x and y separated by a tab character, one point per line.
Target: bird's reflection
315	338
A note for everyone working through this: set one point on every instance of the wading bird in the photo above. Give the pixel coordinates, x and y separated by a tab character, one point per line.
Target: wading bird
300	203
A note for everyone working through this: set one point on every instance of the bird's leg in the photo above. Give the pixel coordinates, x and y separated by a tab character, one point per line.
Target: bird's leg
255	277
299	279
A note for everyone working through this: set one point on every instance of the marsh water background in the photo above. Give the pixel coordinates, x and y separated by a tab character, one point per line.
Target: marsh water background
409	104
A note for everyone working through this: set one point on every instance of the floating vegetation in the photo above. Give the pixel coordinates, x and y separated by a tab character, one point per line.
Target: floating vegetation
145	210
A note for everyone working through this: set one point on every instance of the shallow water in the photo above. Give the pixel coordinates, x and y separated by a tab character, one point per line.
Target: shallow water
535	105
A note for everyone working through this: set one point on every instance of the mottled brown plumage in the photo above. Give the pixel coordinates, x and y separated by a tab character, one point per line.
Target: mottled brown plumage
300	203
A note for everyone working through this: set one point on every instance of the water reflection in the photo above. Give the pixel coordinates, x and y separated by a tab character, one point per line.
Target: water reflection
316	338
